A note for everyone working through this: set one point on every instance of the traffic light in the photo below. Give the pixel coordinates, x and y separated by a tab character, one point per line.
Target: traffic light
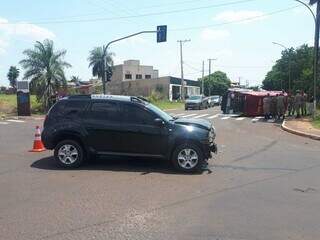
162	33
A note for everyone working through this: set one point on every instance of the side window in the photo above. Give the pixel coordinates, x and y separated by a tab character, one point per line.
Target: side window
104	110
136	115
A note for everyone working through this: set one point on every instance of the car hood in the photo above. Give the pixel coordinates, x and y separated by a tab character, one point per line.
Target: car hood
193	101
200	123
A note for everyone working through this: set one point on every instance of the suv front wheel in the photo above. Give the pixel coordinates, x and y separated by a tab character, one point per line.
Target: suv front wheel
69	154
187	158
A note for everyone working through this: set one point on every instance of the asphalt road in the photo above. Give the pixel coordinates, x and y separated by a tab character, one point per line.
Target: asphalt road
263	184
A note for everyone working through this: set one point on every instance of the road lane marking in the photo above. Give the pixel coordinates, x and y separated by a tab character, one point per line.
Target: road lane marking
4	123
177	115
240	118
14	120
214	116
225	118
190	115
203	115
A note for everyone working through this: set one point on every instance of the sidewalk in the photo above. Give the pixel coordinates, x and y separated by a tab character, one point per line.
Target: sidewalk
302	127
14	116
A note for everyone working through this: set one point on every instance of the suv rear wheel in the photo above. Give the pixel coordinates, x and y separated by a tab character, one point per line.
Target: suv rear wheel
69	154
187	158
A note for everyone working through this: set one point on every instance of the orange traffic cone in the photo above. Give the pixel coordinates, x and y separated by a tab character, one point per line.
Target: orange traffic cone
37	143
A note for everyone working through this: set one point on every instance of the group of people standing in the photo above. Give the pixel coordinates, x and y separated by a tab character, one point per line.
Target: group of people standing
277	106
300	104
274	106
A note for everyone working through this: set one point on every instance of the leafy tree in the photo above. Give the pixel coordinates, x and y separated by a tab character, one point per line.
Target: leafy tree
300	61
45	68
95	59
218	83
13	75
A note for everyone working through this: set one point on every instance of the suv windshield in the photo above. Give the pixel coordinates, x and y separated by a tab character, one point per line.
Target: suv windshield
165	116
194	97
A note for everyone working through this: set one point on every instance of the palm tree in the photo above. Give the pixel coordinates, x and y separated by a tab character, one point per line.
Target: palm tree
45	68
75	79
13	75
95	59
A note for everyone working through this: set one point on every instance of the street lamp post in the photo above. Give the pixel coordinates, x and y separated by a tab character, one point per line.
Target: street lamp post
289	70
316	48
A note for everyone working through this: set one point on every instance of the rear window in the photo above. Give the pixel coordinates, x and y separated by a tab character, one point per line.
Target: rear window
57	109
74	106
64	108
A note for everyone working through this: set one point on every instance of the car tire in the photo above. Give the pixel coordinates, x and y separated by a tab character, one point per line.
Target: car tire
187	158
69	154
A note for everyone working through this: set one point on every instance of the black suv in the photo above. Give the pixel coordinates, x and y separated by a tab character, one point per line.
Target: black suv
79	127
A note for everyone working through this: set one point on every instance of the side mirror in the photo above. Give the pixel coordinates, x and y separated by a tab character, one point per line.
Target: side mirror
159	122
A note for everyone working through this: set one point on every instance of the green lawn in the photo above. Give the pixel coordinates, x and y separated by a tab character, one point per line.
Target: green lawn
166	104
8	104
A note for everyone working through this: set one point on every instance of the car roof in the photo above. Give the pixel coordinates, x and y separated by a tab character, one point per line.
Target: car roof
107	97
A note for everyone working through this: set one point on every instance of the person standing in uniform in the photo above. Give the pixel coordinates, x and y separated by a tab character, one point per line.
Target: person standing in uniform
281	106
273	106
303	103
290	104
266	106
297	103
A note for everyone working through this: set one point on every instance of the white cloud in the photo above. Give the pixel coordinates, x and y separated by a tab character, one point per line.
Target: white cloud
21	30
245	16
224	53
209	34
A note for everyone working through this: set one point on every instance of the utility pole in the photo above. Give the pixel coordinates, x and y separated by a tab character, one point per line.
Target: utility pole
202	87
210	59
181	62
316	59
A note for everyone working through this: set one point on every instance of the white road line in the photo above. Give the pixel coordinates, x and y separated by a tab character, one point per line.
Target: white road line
259	117
214	116
177	115
190	115
203	115
225	118
14	120
4	123
240	118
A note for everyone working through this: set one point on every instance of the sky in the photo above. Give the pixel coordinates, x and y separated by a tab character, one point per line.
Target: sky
237	33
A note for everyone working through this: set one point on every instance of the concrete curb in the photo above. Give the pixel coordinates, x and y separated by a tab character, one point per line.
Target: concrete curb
299	133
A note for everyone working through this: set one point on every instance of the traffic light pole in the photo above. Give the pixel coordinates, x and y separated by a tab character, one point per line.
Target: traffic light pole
105	77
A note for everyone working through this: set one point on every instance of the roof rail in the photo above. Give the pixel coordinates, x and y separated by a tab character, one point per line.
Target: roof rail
78	96
139	99
110	97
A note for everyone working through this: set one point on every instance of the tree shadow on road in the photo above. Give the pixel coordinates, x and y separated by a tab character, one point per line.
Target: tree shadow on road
143	166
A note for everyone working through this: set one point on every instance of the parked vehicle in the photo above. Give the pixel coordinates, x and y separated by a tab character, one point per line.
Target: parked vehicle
79	127
214	100
196	102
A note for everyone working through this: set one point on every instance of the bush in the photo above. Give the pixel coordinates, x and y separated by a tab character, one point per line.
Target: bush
155	96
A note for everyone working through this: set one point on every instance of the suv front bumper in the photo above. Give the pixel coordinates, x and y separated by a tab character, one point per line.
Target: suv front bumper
209	149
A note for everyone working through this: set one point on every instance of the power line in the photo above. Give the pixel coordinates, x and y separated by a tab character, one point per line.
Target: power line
58	21
177	3
236	21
